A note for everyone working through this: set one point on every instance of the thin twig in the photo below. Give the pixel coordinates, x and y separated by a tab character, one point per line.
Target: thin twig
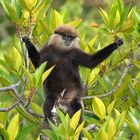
87	111
34	114
30	25
92	127
9	88
121	56
13	105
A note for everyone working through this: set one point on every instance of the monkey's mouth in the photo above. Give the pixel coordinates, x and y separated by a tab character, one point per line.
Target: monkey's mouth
67	43
67	40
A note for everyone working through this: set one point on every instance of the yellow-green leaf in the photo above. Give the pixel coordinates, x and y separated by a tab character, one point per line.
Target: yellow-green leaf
78	131
23	4
13	58
80	127
93	74
111	106
75	23
111	129
46	73
36	108
120	120
58	19
13	127
30	77
45	27
117	18
75	120
102	135
87	134
99	107
104	16
3	132
132	126
92	42
117	113
136	63
30	4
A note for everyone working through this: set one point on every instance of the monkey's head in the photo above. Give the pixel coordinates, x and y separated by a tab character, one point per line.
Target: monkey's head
65	37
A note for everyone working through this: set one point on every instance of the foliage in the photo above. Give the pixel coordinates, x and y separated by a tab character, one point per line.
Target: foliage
114	115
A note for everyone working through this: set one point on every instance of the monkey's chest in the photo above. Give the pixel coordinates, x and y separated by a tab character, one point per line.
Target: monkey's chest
64	76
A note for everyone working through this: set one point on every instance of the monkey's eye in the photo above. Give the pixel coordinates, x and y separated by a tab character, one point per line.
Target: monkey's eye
67	39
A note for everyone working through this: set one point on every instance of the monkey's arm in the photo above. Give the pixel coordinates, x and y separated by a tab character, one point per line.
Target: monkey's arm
33	53
92	60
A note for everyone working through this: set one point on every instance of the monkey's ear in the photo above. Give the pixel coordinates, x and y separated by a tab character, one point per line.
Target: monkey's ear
25	39
119	42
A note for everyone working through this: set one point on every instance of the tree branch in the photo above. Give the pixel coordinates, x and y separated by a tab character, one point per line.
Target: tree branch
13	105
9	88
115	88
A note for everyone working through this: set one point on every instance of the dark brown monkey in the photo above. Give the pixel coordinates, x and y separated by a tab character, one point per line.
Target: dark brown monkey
62	50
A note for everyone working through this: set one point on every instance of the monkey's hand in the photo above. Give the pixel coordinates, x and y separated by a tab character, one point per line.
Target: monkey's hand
119	42
25	39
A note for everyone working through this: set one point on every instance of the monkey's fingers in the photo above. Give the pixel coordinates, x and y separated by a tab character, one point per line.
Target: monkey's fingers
119	42
25	39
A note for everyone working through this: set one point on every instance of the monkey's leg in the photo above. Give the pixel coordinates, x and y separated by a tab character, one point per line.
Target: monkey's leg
48	105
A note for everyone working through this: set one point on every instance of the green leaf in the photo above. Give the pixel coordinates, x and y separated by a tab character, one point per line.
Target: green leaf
30	4
120	120
63	119
23	5
75	120
125	12
29	76
117	113
46	73
136	63
38	74
24	132
102	135
75	23
132	127
111	106
13	127
13	58
80	127
36	108
11	11
104	16
92	75
99	108
133	93
134	120
87	134
92	42
3	132
50	134
112	12
111	129
47	30
102	82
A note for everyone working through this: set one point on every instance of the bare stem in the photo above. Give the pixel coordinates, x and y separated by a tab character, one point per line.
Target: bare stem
13	105
11	87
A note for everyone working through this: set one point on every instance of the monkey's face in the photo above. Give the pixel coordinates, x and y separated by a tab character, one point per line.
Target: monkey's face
64	37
